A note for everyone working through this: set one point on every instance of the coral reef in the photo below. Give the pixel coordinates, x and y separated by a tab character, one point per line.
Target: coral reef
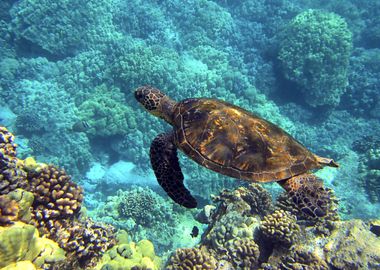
191	258
128	255
52	205
63	31
106	113
147	215
23	241
350	246
244	252
369	166
55	195
295	244
83	240
141	206
11	175
8	210
280	226
362	97
56	54
314	52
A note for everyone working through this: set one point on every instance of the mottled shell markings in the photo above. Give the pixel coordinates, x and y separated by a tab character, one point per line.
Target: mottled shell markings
226	138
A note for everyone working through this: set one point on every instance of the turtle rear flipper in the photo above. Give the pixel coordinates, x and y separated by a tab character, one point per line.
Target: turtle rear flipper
164	160
308	194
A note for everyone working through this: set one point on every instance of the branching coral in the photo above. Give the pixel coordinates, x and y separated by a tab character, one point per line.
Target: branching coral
314	52
84	241
7	145
11	175
56	196
191	258
53	206
141	205
280	227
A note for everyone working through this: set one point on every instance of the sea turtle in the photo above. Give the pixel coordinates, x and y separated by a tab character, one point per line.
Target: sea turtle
232	141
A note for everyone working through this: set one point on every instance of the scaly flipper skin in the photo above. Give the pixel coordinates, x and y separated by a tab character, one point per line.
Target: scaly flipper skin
164	160
307	192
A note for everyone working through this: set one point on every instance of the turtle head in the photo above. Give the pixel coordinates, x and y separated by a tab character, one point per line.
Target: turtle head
155	102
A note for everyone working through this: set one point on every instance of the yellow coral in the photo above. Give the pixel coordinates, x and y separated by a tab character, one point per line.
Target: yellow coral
23	265
24	200
22	242
126	256
31	165
146	248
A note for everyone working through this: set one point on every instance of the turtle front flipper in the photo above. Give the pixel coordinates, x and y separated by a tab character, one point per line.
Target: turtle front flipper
164	160
308	194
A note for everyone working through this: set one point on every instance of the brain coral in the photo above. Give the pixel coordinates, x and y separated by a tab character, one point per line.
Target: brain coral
11	175
314	52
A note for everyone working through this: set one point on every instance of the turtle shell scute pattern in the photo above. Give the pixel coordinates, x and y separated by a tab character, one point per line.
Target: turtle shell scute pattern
237	143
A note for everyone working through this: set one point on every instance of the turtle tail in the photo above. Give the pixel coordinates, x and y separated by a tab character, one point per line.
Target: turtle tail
164	160
308	194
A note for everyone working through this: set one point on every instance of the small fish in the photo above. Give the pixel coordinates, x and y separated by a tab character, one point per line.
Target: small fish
80	126
194	233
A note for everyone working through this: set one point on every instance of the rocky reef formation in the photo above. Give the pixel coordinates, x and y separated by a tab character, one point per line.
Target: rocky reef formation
262	235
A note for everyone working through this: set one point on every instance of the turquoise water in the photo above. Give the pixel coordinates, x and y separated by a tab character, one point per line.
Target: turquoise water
68	72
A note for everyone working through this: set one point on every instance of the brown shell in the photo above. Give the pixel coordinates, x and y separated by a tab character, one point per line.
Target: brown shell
237	143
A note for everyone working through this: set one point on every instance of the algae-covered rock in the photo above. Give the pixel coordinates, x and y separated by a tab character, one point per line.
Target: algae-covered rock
21	242
353	246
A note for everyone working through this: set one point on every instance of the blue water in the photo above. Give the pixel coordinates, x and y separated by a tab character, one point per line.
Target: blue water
310	67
